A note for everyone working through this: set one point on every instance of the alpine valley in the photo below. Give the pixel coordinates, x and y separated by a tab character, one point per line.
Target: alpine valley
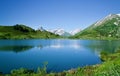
107	28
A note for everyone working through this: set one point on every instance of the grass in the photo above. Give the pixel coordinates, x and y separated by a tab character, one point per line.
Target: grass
105	31
109	67
20	31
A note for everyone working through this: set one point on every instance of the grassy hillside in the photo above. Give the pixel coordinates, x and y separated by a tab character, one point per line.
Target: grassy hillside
110	29
24	32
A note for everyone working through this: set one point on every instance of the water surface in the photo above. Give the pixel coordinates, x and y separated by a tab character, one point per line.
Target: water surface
60	54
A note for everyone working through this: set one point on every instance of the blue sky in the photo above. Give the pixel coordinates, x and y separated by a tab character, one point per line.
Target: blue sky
51	14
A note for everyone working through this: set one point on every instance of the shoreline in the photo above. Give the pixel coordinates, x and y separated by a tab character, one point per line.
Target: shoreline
109	60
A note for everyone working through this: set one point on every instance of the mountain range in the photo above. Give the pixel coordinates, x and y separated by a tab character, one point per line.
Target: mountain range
60	32
106	28
64	33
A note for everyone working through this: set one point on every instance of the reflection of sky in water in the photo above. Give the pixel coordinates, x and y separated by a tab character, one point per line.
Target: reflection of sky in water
60	54
58	45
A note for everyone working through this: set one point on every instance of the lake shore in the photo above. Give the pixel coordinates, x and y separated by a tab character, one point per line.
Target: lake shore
110	66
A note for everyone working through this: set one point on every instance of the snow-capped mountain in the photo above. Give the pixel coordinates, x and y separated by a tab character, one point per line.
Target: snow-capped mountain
75	31
108	27
109	17
118	14
60	32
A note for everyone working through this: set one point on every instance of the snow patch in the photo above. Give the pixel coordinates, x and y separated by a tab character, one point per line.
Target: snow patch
118	14
109	17
60	31
116	23
75	31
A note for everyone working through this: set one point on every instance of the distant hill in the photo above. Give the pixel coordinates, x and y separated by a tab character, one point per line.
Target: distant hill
106	28
20	31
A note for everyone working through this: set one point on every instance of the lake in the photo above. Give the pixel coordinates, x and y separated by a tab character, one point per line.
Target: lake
60	54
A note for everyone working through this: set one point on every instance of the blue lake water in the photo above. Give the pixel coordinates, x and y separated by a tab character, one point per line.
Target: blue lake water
60	54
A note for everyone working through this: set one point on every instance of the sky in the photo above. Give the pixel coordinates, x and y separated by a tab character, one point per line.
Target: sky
52	14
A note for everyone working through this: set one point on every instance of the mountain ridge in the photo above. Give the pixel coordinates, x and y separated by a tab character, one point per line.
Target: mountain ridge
60	32
106	28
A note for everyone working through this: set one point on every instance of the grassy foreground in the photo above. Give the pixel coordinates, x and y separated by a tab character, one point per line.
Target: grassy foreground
109	67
